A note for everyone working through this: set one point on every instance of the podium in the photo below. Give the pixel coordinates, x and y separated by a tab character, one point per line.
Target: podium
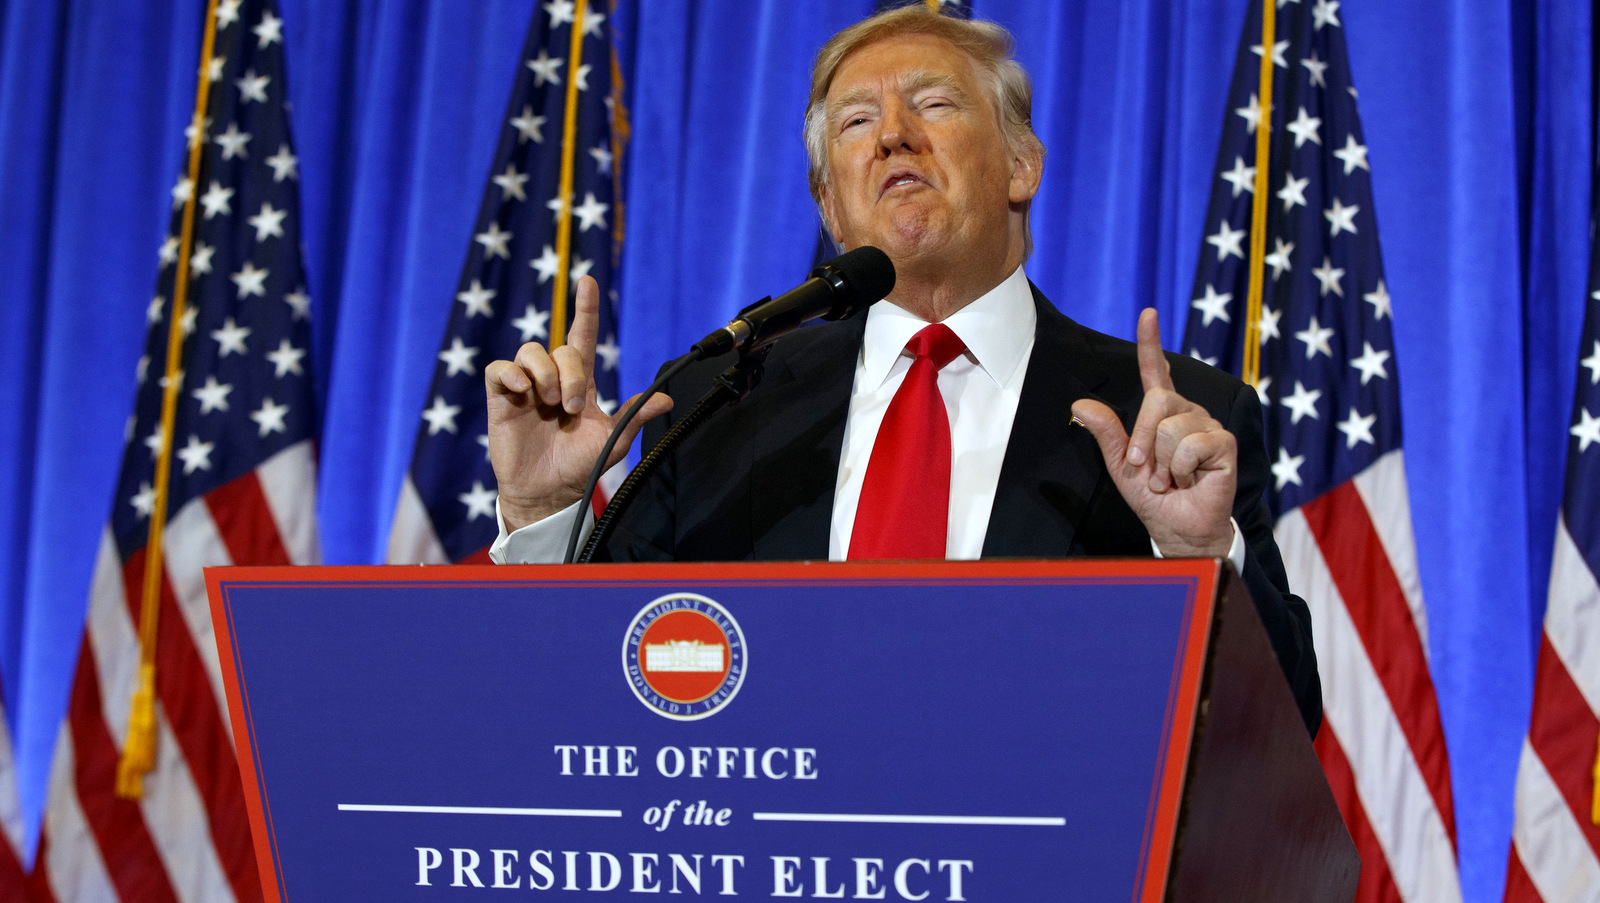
985	731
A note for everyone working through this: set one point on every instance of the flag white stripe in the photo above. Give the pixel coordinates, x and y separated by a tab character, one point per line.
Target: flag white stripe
1383	490
113	639
411	538
1554	852
10	805
176	817
1387	778
285	480
72	861
192	544
1572	621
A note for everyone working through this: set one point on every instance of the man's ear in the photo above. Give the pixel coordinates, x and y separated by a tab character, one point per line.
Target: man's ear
1027	168
825	207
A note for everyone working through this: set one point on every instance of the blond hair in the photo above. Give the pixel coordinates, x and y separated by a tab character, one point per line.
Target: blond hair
991	47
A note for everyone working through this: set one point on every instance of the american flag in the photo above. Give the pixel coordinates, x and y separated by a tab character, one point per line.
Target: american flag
1329	387
532	242
1555	844
242	475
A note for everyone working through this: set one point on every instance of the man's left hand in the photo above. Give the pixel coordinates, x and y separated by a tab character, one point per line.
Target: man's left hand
1179	469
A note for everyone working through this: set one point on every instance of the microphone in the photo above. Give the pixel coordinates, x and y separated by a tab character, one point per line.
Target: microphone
837	289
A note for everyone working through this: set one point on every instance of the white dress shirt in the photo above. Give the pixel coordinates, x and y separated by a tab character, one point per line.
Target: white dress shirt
981	388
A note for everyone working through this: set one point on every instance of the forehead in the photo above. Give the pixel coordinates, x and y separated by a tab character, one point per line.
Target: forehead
890	63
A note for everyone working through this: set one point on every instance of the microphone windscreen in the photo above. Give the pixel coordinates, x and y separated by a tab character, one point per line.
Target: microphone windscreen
867	273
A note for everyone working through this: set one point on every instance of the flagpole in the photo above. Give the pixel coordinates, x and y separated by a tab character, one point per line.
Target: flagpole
139	750
569	138
1258	208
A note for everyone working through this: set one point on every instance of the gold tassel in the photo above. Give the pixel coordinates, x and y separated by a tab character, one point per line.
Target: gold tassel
1594	802
139	752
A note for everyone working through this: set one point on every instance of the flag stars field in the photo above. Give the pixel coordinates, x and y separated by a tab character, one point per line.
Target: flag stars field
1371	363
441	416
270	417
230	338
477	299
196	455
1286	469
1213	306
1331	278
1293	193
1302	403
251	281
1587	430
529	127
286	359
458	358
1227	241
1357	428
1315	337
533	324
479	501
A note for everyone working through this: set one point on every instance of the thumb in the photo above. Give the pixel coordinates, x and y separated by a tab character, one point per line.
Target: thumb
1106	428
658	404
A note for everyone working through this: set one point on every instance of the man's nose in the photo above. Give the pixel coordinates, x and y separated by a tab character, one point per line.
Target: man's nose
899	131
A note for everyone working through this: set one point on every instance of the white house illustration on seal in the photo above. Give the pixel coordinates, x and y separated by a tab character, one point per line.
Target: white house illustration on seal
682	655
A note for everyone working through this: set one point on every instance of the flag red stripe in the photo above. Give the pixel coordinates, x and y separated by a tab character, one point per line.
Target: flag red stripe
39	890
479	557
239	509
1564	733
1376	884
191	709
126	847
13	883
1519	887
1372	595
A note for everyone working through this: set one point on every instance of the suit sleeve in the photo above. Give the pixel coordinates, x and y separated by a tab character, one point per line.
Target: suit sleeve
1285	615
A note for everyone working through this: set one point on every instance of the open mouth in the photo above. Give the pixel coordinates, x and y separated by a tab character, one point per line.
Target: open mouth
900	179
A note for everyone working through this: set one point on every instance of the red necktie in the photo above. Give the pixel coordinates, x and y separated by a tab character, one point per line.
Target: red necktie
904	510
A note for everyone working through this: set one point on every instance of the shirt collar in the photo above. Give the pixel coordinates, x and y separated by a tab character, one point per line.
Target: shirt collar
997	329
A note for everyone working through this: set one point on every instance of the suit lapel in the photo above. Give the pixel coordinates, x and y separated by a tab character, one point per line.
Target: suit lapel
798	439
1052	468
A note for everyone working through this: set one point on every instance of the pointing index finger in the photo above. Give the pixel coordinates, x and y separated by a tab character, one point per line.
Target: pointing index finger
1153	369
585	330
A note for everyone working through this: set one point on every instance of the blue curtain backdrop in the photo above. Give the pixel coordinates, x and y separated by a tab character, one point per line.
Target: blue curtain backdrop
1478	114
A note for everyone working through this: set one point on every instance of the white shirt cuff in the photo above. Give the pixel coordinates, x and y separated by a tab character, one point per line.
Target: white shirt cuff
1235	550
541	542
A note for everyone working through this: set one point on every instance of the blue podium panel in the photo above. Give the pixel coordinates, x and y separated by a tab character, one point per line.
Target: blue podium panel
953	731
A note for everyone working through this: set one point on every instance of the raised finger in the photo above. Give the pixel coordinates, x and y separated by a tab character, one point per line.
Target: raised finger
1153	369
575	380
536	363
585	331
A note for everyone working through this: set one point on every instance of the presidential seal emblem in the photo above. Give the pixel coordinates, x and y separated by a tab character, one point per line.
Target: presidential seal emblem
684	656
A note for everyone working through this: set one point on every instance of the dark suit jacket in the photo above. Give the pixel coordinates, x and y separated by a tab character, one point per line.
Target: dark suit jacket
757	480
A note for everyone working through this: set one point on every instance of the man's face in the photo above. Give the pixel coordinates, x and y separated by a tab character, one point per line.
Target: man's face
916	162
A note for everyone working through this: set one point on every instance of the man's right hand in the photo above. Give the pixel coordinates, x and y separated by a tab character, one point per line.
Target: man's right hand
545	427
